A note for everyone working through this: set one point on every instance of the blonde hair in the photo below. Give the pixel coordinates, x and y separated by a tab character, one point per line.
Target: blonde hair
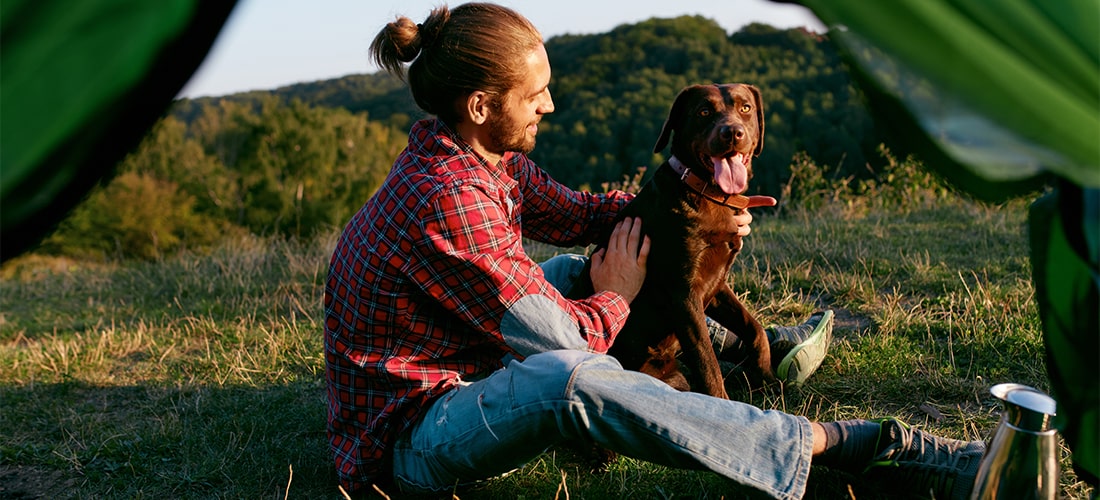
476	46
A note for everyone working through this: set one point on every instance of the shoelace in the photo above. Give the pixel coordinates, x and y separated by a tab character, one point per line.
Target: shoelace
934	470
796	334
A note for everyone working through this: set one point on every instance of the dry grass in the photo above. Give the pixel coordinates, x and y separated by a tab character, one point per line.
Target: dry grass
200	376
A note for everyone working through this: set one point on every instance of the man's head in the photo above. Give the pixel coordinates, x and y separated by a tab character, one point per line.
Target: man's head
510	121
476	47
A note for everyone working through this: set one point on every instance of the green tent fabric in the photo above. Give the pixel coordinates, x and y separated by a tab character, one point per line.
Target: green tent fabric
1068	293
1009	89
1001	98
81	84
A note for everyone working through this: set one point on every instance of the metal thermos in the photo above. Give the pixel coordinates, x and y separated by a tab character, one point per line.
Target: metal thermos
1021	461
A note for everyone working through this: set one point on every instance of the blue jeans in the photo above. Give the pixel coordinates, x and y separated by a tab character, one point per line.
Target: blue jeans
491	426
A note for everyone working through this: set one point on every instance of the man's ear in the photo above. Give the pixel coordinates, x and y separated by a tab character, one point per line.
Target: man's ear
477	107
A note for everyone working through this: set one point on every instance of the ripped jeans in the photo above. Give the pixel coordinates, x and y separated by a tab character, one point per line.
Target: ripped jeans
488	427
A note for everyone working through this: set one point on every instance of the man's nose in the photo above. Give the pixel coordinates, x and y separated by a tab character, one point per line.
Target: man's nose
547	105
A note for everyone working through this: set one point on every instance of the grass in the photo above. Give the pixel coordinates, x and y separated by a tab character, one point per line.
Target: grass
201	376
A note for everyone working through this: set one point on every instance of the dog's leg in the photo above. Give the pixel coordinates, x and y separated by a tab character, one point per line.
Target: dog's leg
698	352
729	312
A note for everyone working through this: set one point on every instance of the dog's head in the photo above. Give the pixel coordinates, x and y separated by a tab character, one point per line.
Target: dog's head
718	128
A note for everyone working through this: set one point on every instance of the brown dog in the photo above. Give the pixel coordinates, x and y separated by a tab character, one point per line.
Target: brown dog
687	210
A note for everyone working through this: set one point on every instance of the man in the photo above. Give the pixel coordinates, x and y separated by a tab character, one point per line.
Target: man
452	357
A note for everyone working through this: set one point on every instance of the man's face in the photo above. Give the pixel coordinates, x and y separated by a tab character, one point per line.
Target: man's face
514	120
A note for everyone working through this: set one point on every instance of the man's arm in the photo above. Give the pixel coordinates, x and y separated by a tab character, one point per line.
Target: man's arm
556	214
470	260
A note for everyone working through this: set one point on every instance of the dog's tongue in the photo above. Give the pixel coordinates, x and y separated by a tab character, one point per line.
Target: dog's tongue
731	174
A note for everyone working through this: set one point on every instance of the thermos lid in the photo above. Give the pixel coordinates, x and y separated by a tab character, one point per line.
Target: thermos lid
1026	407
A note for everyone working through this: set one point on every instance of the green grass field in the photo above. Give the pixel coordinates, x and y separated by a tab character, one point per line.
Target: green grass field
201	376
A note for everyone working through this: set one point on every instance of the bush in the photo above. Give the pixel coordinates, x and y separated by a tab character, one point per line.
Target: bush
135	216
901	186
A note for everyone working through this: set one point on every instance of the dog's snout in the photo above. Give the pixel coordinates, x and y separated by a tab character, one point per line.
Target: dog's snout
732	133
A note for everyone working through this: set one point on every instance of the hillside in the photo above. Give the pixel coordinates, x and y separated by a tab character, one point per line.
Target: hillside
612	91
297	160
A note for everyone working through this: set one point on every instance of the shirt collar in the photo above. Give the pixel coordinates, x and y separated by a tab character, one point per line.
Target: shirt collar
437	139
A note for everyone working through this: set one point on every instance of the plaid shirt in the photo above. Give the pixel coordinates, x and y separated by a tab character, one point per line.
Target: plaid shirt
423	275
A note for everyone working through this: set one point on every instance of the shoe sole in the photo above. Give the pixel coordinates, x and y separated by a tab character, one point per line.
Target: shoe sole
818	339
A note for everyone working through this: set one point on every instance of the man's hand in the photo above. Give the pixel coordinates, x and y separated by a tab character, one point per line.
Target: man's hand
745	218
620	267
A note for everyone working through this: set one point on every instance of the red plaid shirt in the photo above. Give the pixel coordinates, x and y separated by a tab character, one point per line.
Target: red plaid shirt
422	276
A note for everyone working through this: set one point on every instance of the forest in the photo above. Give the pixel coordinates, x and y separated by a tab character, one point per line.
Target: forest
297	160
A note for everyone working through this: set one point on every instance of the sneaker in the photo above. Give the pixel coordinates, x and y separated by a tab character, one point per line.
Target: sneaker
805	347
719	337
922	463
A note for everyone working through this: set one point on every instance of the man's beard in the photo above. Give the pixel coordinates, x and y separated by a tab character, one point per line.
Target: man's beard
510	136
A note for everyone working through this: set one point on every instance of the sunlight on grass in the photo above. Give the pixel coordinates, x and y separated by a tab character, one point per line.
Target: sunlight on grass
202	375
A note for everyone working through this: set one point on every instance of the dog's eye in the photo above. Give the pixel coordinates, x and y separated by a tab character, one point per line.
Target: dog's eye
704	112
745	108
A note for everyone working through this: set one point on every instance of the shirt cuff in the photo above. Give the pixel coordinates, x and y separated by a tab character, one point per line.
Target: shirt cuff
613	309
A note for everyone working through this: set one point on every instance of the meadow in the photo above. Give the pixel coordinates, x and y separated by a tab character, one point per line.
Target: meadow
200	375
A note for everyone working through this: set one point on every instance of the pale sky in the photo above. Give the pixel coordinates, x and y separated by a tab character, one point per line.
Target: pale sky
271	43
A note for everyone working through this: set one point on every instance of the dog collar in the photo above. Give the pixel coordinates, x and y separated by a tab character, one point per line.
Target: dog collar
705	187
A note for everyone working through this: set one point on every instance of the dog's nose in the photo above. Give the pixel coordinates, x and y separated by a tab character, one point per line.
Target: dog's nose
734	133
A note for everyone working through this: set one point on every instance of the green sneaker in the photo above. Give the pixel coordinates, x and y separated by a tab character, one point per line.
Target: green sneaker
805	347
922	463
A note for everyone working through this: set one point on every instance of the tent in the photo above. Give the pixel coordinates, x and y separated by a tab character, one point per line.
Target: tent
82	83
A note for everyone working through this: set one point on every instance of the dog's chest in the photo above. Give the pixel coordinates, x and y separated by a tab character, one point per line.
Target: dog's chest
685	226
714	226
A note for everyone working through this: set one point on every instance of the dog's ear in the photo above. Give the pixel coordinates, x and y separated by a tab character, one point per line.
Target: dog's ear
759	119
673	121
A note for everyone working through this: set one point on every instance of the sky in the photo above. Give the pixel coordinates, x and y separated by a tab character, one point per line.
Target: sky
267	44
